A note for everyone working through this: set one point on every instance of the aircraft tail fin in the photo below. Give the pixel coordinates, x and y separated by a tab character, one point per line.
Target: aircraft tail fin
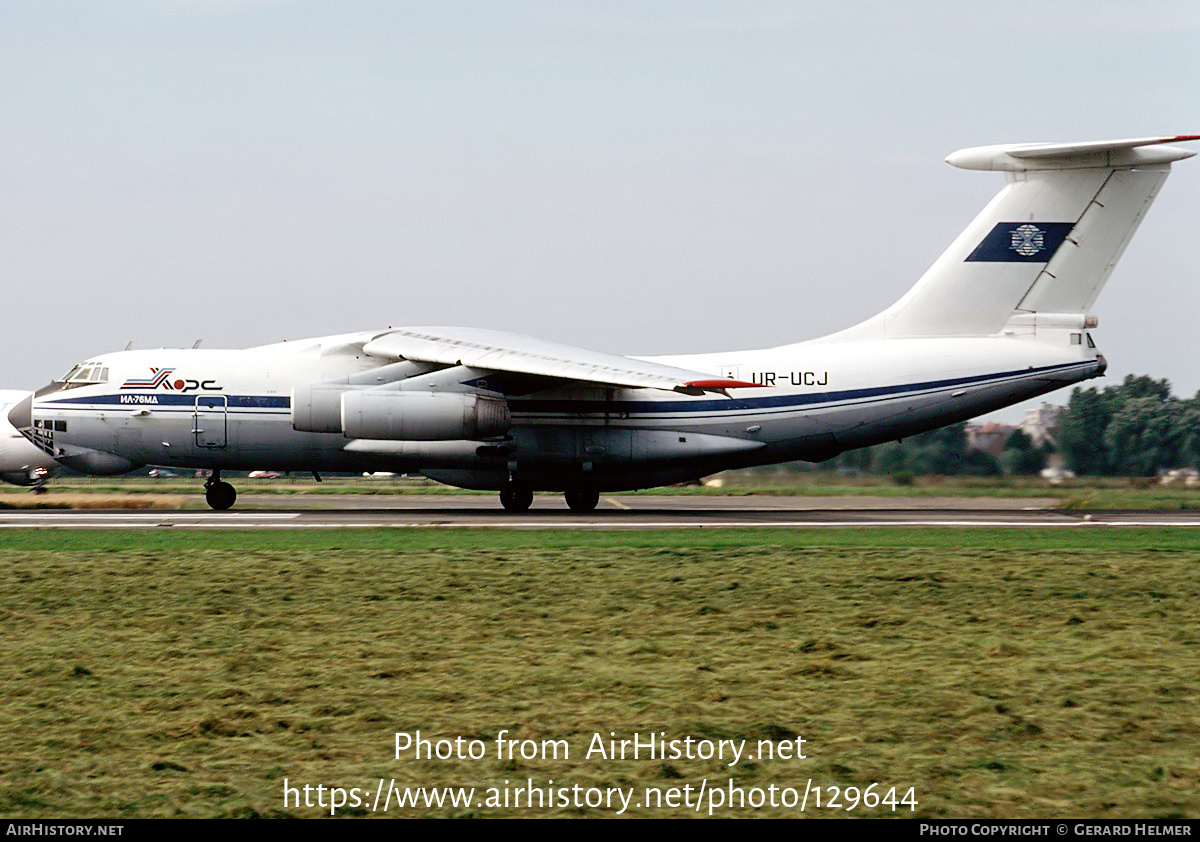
1045	244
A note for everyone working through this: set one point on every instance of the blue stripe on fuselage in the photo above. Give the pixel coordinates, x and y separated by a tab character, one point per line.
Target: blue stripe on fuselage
133	399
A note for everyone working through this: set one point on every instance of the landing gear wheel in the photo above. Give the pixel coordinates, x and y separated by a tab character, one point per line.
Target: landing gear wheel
582	499
516	498
220	495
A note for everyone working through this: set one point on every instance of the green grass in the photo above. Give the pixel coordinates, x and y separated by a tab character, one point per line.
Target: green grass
998	672
167	542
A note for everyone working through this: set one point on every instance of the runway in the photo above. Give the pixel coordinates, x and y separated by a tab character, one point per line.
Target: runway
625	512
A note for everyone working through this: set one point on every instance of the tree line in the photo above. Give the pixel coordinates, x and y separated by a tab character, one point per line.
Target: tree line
944	451
1136	428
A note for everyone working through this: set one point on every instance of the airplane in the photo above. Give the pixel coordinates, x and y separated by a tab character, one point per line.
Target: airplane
21	463
1002	316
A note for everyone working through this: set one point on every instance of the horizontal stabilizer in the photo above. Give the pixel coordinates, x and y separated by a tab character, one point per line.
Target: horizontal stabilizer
1021	157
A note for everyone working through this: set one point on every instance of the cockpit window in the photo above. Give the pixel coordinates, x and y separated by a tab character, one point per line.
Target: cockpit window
85	374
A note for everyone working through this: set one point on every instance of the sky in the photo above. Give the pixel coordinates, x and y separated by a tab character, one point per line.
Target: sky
663	177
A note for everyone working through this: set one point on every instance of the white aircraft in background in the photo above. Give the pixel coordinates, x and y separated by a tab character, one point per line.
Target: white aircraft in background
20	462
1002	316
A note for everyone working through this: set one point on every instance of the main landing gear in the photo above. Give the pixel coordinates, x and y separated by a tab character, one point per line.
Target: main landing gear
518	498
582	499
219	495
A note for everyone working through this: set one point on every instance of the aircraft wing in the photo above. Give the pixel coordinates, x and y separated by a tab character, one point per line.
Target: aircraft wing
498	350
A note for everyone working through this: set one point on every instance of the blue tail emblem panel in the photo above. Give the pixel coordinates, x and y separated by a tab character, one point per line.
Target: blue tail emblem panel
1021	242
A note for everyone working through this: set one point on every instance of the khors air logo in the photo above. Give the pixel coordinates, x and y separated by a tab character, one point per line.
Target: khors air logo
160	378
1028	240
1021	242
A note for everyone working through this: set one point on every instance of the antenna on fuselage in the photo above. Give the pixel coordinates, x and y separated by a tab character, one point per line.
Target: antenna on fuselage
128	344
197	345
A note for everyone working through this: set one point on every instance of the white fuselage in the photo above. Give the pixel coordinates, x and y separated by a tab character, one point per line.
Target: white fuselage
233	410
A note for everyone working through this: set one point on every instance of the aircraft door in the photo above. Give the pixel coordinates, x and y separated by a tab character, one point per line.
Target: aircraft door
210	421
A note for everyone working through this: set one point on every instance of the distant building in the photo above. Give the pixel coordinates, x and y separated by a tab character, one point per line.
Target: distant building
1041	424
989	437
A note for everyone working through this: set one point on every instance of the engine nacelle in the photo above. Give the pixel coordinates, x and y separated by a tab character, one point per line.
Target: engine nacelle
318	408
422	416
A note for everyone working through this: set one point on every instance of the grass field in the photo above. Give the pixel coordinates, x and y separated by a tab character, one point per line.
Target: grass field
996	673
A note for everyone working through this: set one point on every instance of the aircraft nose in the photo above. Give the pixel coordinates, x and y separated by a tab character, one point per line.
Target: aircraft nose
21	415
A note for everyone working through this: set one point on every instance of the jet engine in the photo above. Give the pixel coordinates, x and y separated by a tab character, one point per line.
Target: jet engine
399	415
423	416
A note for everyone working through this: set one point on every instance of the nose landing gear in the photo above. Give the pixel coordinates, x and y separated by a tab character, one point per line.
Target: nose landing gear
219	495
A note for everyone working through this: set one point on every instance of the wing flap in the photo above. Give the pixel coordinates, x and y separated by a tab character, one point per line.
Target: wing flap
499	350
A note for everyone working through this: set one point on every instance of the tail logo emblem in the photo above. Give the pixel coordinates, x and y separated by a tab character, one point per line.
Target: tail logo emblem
1021	242
1028	240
